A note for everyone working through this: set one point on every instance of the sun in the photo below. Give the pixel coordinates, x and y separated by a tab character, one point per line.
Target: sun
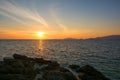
40	34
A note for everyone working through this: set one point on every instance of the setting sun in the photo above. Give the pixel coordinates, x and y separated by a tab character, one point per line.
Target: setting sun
40	34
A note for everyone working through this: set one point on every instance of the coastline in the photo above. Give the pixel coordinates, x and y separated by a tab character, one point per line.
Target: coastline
21	67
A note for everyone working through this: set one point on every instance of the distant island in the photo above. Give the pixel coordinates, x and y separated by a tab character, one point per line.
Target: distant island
111	37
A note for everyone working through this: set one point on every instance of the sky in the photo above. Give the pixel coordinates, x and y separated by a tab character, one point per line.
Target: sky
59	19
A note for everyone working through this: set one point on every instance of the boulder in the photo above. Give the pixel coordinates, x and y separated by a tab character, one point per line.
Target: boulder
8	60
42	61
90	73
21	67
54	64
74	67
55	75
22	57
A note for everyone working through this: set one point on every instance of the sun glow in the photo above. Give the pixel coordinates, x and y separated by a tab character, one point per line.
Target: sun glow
40	34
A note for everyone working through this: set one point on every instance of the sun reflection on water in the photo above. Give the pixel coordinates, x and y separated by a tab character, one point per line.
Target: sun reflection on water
41	48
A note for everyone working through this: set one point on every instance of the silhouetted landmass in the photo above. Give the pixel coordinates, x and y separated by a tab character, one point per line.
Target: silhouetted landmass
71	39
111	37
21	67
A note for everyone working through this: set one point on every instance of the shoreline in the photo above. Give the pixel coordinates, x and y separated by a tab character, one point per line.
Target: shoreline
21	67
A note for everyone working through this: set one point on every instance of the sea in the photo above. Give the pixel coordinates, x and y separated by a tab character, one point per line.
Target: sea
104	55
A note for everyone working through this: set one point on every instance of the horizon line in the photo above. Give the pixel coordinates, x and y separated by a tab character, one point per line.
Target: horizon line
61	39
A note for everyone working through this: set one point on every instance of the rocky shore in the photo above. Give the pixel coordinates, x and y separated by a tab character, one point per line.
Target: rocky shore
21	67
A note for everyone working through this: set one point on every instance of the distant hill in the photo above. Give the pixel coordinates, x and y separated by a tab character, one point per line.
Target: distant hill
111	37
70	39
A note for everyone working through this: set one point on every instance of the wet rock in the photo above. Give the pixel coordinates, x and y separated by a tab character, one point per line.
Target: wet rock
39	60
22	57
63	69
48	68
53	75
54	64
15	77
90	73
8	60
42	61
21	67
74	67
39	76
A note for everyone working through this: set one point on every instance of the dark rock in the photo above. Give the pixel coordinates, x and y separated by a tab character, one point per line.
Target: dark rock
22	57
49	68
53	64
69	76
8	60
15	77
54	75
91	73
42	61
61	69
21	67
39	60
74	67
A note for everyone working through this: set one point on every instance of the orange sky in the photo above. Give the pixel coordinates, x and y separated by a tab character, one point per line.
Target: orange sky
58	19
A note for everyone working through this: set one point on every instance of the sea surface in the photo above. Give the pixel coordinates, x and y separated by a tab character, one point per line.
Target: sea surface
104	55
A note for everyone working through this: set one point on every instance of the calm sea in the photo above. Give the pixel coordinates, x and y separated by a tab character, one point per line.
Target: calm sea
103	55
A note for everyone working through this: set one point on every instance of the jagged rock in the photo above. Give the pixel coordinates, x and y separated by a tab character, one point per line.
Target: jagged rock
54	75
90	73
39	60
53	64
21	67
63	69
74	67
8	59
42	61
15	77
22	57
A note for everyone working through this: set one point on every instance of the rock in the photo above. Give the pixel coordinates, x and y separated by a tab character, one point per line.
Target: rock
22	57
48	68
74	67
42	61
69	76
21	67
14	77
54	75
63	69
39	76
39	60
53	64
48	62
90	73
8	60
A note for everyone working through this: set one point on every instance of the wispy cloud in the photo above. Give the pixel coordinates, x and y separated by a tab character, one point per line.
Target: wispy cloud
21	14
57	19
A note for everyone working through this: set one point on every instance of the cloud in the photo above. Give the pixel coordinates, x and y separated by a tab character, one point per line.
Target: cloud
54	14
21	14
